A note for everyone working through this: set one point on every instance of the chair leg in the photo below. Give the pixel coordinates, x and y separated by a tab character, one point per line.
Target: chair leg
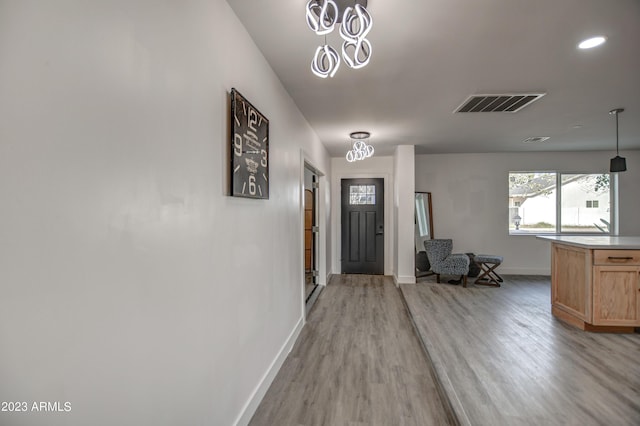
464	281
487	276
437	278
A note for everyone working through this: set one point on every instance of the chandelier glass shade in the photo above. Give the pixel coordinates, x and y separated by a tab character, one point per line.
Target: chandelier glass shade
355	24
361	149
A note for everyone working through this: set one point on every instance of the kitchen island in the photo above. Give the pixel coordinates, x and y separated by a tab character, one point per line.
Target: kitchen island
595	282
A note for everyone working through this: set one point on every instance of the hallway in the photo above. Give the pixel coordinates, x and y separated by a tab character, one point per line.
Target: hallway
358	361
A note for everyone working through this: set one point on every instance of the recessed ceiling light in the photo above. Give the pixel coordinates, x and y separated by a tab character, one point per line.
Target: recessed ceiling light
592	42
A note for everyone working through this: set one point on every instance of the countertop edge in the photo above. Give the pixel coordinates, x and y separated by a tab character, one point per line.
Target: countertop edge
607	243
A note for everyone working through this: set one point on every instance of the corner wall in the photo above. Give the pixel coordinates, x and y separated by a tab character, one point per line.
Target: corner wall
629	194
404	214
470	200
131	285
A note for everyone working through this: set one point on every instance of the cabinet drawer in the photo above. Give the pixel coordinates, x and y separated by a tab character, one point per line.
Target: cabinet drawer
616	257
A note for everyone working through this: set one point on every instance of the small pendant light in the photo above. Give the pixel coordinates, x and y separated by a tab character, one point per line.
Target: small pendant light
618	164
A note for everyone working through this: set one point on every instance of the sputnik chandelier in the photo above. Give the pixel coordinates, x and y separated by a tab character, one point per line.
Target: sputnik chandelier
361	149
355	23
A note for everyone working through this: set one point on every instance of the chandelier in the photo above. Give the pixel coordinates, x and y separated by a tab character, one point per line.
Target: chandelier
360	149
355	23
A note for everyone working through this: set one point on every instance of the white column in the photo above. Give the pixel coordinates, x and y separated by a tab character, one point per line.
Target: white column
403	206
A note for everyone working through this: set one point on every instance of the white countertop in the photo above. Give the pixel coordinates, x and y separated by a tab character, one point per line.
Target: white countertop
595	241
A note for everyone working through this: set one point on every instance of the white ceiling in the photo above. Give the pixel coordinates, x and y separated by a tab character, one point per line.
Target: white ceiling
430	55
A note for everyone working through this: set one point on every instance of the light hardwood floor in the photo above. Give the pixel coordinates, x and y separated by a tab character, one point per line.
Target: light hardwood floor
504	360
358	361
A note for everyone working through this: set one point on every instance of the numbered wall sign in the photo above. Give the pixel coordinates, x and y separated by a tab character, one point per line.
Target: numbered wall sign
249	149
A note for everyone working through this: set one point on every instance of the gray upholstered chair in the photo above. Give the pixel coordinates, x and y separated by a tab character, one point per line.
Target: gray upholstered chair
443	262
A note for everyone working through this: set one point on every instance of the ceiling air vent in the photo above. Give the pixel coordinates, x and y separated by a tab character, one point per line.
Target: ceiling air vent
502	102
536	139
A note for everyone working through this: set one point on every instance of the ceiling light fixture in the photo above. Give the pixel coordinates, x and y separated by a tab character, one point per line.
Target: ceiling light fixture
325	62
360	149
592	42
322	16
355	24
618	164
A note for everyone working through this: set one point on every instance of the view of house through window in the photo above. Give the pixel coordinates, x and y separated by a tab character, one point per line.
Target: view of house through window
532	202
582	205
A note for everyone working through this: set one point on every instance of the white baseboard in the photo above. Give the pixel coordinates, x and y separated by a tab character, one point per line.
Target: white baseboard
523	271
329	275
404	279
251	406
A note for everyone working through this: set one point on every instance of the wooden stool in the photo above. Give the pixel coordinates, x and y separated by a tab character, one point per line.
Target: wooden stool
488	263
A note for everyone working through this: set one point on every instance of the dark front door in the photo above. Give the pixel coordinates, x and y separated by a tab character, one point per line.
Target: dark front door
363	226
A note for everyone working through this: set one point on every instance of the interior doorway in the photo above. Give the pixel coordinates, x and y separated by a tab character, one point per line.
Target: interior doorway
362	226
311	233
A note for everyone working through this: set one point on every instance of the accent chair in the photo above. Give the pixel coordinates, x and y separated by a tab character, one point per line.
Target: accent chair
444	262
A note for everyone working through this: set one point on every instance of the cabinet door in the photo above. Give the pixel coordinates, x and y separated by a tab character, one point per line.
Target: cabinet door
571	281
616	295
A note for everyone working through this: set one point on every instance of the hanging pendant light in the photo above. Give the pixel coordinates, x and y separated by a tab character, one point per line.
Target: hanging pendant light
322	16
618	164
325	62
361	149
355	23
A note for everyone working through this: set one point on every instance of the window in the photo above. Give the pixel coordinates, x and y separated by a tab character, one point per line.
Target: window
534	202
362	194
576	190
581	205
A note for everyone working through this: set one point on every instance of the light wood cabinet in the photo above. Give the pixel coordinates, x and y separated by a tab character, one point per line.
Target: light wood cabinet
615	296
571	267
596	289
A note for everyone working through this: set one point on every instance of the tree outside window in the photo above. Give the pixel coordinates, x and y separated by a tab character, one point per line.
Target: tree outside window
581	205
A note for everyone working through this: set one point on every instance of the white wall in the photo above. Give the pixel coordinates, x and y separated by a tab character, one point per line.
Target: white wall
629	193
404	214
374	167
470	200
130	285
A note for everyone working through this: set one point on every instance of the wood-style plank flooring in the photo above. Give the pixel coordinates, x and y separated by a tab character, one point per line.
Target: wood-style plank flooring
357	361
502	358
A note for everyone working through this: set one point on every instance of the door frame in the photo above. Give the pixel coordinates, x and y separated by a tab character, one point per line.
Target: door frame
370	235
389	232
315	234
306	162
